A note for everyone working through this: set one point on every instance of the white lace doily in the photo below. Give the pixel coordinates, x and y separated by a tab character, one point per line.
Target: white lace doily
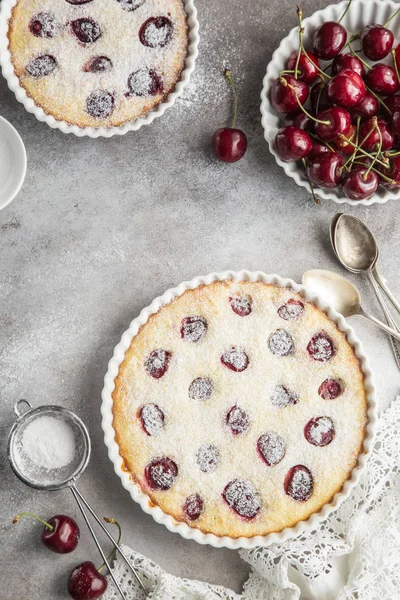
353	555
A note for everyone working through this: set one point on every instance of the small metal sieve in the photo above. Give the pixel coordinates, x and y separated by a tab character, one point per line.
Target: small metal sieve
65	477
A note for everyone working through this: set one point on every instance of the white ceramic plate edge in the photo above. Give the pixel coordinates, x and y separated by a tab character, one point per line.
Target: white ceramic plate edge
18	151
155	511
361	13
7	68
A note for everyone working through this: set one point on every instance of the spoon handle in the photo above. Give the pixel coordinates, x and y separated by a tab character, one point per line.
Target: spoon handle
378	323
389	319
385	288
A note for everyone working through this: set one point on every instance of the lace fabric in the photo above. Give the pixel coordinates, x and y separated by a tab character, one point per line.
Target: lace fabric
352	555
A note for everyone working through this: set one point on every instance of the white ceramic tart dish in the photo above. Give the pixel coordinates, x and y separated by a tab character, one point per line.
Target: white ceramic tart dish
238	426
360	14
98	67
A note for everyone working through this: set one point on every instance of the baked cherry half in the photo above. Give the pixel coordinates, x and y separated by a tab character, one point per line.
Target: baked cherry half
320	431
293	309
329	39
86	583
157	363
235	359
161	473
242	498
282	397
78	2
145	82
377	41
283	97
299	483
43	25
98	64
41	66
208	458
292	143
237	420
307	69
130	5
193	507
156	32
86	30
330	389
321	347
201	388
100	104
241	305
152	418
281	343
193	329
271	448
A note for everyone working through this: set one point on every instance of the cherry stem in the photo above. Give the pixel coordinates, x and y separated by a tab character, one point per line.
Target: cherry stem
343	137
287	72
29	514
353	38
314	195
376	127
303	50
315	137
301	31
385	106
359	57
392	153
392	17
286	84
113	552
396	68
229	77
357	140
345	12
392	181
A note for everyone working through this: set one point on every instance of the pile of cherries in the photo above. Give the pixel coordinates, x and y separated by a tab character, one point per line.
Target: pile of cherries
349	134
61	534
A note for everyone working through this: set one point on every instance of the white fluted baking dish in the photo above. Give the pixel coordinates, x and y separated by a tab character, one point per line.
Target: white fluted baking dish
7	67
155	511
361	13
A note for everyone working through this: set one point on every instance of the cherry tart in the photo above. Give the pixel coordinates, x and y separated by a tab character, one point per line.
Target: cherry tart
96	63
239	408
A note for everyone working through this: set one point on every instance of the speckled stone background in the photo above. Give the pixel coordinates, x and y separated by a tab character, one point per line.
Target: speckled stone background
101	227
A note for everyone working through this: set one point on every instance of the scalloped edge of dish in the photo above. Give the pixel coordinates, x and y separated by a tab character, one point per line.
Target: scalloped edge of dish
155	511
7	68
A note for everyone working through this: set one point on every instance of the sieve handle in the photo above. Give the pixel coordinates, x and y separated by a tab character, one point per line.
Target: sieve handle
17	410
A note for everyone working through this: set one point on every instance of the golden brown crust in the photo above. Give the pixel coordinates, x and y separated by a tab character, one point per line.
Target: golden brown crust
331	466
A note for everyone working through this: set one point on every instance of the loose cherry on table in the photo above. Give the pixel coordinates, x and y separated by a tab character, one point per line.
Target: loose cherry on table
346	89
86	582
361	183
60	533
292	143
229	144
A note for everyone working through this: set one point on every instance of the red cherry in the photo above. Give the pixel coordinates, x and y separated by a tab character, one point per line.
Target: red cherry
201	388
86	30
300	120
282	397
359	184
329	40
193	329
317	149
241	305
320	431
229	145
86	583
321	347
157	363
377	41
100	104
161	473
348	61
283	98
382	79
372	143
330	389
397	56
293	309
235	359
337	121
367	108
292	143
346	89
41	66
60	534
156	32
307	71
271	448
193	507
325	169
242	498
43	25
319	97
393	172
152	418
343	145
299	483
281	343
237	420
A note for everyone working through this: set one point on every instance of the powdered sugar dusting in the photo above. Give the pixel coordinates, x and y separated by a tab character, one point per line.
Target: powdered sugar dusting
282	397
152	419
208	458
242	498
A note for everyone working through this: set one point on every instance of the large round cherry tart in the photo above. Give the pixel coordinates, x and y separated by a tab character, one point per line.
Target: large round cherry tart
239	408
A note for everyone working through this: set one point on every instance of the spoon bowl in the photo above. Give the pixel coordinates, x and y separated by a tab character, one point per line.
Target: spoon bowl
335	290
354	244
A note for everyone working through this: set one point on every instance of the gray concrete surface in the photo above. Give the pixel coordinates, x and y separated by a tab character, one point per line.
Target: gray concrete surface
103	226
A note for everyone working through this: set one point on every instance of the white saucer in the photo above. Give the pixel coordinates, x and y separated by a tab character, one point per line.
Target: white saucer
12	162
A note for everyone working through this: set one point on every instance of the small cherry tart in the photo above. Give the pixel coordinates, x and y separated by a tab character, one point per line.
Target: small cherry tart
250	428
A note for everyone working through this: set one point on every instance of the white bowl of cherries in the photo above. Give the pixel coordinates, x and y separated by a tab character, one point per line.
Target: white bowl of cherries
330	107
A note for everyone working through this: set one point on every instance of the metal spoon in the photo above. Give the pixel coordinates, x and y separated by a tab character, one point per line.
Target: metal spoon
342	295
356	249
